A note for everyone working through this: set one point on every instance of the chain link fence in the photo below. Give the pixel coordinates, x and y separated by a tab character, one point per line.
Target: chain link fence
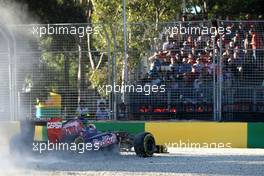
204	70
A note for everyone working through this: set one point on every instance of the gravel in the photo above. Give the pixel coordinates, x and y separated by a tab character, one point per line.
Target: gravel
177	162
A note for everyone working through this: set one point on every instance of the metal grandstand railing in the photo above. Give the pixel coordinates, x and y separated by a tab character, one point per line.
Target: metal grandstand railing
195	74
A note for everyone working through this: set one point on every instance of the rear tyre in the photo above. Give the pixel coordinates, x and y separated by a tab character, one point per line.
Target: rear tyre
80	144
144	144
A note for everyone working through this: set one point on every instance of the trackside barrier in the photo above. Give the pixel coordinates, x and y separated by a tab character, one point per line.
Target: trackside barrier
180	134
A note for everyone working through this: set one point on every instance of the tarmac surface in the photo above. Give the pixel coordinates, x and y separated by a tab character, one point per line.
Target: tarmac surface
178	162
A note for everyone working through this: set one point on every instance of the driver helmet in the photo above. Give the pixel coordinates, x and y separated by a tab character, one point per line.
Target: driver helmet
91	127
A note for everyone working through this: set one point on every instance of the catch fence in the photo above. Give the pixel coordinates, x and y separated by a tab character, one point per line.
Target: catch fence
204	70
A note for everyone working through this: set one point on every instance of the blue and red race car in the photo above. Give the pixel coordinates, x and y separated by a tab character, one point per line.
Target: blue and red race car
76	131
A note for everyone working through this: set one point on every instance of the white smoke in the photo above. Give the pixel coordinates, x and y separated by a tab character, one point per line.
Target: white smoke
12	16
12	20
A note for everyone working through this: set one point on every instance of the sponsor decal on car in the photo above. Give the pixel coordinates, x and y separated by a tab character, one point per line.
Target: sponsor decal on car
106	140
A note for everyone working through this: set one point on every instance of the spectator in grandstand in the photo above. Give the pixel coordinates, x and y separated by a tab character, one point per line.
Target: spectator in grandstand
231	45
102	113
197	84
155	80
226	55
189	77
178	59
187	65
233	68
199	65
195	51
194	55
122	111
218	43
188	44
205	55
191	59
174	83
238	60
82	110
241	31
247	48
199	43
168	45
172	63
155	64
167	58
209	66
183	53
257	46
204	75
228	77
237	40
154	57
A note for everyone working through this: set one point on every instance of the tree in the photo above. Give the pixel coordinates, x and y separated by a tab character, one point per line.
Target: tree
149	12
237	9
83	59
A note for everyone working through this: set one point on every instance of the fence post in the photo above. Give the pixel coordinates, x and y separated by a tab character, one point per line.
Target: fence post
108	71
219	109
125	62
114	74
214	83
11	45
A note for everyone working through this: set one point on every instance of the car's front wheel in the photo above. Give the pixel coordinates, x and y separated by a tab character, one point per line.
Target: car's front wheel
144	144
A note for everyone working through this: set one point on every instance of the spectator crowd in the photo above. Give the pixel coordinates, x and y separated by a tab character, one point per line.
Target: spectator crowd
192	60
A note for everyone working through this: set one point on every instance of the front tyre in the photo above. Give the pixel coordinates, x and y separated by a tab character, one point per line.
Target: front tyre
144	144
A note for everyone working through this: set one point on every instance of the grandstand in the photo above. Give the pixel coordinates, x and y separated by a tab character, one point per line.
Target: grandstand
199	70
211	70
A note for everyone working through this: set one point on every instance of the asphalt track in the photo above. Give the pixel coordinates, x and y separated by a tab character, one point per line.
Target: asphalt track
177	162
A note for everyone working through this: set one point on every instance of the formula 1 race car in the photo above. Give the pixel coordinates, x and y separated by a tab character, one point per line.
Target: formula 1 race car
75	132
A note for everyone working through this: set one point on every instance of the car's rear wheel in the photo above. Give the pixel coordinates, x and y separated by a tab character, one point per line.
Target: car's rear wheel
144	144
80	145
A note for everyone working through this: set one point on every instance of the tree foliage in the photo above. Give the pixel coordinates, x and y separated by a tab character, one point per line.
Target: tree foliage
86	59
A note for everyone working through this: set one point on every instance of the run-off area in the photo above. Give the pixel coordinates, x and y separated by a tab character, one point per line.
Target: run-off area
176	162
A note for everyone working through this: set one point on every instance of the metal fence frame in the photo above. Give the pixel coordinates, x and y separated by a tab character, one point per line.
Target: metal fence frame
114	99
